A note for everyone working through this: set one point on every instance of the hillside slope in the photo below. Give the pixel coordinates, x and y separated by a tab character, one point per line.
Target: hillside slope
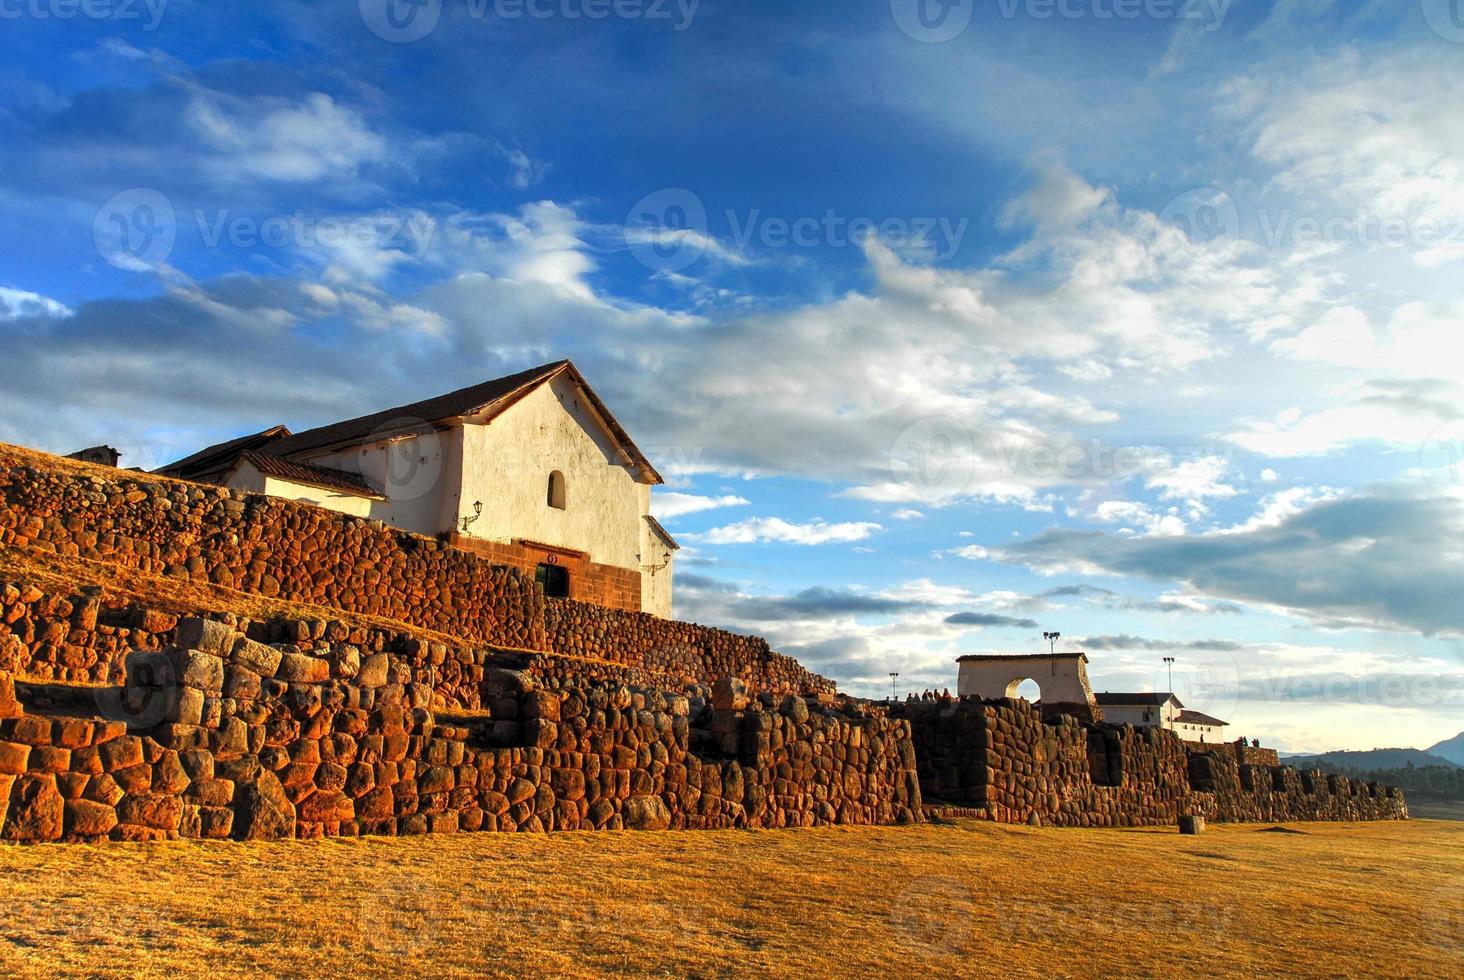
1450	748
1370	759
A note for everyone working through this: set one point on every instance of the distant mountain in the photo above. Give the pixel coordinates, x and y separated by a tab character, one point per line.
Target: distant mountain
1373	759
1450	748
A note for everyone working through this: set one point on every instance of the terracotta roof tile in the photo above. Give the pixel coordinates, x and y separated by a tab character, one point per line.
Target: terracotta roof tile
316	476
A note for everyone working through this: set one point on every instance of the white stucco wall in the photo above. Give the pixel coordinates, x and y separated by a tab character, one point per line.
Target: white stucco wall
507	462
1062	678
247	478
1133	714
656	573
418	475
1191	732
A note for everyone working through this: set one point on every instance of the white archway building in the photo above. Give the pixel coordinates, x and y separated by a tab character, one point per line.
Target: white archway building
1062	678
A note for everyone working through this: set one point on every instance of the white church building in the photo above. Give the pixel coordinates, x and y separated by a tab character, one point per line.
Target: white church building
529	470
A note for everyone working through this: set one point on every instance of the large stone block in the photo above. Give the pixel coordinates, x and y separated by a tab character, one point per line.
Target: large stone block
88	818
264	812
374	672
37	810
646	813
155	811
204	671
256	657
206	635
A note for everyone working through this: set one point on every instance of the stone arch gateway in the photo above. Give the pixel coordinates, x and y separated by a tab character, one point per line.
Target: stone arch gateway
1062	678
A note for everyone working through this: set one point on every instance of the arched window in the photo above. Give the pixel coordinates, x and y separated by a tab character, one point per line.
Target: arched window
556	490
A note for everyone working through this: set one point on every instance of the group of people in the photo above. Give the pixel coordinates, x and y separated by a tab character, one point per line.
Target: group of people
929	695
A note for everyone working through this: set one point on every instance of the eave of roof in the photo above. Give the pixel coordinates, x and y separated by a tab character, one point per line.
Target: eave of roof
1135	697
487	400
964	658
1200	718
315	476
662	533
226	452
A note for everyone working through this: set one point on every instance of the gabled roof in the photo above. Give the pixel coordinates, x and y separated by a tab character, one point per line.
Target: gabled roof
1199	718
315	476
1138	697
221	456
662	533
488	400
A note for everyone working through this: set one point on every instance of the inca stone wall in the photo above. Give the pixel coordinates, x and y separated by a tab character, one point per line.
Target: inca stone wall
1001	759
293	552
683	653
267	547
224	736
436	692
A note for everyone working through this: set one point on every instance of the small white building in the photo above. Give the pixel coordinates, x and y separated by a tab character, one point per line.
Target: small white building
529	470
1159	709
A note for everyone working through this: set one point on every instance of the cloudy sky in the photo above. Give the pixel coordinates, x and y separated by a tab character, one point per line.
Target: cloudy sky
949	323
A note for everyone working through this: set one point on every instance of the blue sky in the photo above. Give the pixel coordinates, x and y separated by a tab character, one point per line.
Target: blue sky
948	324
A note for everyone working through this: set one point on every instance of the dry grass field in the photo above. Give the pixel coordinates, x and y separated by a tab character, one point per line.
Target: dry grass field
967	898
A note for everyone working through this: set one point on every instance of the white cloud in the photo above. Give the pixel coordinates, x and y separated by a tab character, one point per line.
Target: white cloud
280	139
1139	516
907	514
668	504
16	303
763	529
1391	413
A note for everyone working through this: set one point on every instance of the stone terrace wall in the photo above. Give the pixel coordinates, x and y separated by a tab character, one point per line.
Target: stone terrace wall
684	653
234	738
293	552
1002	759
1240	750
267	546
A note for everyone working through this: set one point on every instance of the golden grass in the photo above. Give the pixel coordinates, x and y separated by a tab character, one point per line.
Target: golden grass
968	898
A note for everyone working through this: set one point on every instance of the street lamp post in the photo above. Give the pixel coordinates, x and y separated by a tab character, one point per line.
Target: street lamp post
1051	639
1169	662
893	674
